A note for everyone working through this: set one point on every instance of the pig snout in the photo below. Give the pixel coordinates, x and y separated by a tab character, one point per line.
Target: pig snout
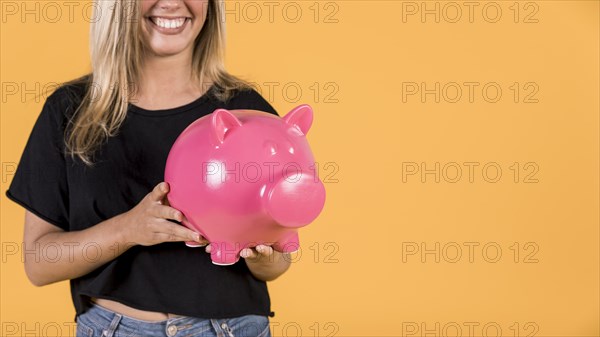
296	200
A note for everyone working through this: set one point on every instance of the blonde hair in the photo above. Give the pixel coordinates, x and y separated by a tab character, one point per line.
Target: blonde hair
117	49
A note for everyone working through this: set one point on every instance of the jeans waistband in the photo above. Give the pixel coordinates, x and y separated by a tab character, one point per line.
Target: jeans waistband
110	319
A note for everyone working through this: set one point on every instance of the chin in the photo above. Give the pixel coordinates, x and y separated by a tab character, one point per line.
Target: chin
167	51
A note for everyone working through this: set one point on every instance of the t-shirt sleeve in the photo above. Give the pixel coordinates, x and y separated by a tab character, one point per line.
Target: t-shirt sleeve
252	100
40	180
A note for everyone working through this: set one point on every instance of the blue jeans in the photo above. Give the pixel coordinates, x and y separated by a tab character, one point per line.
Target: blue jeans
101	322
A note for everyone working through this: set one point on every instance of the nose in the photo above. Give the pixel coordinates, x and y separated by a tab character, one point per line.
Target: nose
169	4
296	200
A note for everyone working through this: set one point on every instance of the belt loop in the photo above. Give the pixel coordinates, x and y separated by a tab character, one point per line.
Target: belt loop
113	326
216	327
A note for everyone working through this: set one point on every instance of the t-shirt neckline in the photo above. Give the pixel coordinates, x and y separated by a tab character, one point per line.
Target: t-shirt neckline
172	111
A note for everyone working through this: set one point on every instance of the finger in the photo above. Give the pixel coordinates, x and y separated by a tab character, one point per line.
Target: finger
180	232
159	191
208	248
264	250
248	253
167	212
168	237
165	201
185	222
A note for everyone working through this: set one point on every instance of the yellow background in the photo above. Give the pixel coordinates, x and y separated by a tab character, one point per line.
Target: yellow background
352	277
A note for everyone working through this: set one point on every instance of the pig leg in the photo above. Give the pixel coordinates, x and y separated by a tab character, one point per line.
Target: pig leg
224	253
288	244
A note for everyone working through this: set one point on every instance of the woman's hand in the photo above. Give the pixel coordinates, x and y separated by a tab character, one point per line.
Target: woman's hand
264	262
260	252
146	224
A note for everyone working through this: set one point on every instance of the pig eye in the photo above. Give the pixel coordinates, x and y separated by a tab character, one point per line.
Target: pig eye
271	147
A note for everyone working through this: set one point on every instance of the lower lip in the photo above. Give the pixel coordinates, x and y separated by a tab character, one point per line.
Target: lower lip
169	31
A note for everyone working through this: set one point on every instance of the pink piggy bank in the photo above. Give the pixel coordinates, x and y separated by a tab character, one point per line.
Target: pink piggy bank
244	178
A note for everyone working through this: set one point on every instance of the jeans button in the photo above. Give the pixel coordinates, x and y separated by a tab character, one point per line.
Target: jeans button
224	326
171	330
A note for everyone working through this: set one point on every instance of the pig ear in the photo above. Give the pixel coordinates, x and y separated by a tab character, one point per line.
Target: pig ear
301	117
223	122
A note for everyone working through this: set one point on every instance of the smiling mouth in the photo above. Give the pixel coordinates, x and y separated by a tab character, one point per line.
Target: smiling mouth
168	23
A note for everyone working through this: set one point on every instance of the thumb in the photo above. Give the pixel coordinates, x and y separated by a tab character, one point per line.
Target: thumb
159	192
165	201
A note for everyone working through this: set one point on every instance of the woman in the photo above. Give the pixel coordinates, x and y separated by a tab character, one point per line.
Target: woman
90	179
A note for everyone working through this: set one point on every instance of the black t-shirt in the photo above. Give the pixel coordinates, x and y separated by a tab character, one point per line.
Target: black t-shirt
167	277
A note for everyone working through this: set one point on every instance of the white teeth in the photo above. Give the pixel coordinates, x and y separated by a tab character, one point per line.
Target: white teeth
170	24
